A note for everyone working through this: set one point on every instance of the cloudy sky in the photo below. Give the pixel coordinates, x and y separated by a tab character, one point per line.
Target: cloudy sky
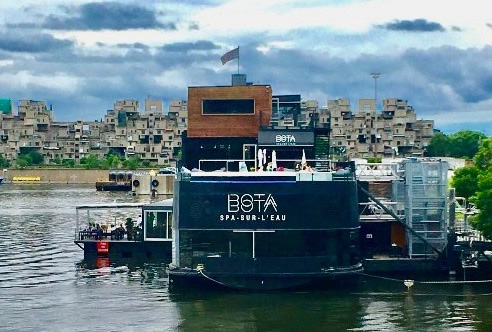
82	55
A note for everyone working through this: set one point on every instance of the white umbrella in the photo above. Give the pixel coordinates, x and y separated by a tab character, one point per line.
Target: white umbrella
274	159
260	157
303	160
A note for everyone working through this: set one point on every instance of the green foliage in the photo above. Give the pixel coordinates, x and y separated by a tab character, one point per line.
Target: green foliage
179	153
465	143
462	144
56	161
484	203
374	160
68	163
92	162
131	163
111	161
24	161
439	146
4	163
30	158
476	181
145	163
465	181
483	158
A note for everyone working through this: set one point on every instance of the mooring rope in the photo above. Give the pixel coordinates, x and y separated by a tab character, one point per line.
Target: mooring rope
200	269
407	282
430	282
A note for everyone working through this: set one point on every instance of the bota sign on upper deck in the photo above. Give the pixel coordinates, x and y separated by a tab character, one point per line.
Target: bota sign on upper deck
252	207
285	140
269	137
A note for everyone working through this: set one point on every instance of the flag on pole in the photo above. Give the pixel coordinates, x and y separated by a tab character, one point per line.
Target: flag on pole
232	54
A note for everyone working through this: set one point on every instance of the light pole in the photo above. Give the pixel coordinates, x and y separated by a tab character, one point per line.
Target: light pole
376	76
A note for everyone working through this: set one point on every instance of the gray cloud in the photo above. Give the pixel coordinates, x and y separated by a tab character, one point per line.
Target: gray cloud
442	78
106	15
456	28
418	25
184	47
22	25
193	26
31	42
489	25
138	46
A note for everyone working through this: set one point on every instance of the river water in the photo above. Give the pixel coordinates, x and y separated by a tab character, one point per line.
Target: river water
46	286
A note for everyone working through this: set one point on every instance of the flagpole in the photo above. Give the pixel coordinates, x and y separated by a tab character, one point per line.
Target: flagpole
238	59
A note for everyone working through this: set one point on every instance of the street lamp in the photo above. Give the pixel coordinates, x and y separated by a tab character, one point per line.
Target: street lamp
376	76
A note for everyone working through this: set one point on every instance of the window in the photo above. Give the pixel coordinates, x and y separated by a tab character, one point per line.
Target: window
158	225
228	106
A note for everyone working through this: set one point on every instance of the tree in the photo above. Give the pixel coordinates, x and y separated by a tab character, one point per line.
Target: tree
465	181
131	163
483	158
484	202
29	159
4	163
56	161
37	158
462	144
465	143
439	146
24	161
111	161
92	162
68	163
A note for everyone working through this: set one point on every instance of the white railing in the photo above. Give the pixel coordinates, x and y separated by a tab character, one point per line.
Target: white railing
377	172
251	162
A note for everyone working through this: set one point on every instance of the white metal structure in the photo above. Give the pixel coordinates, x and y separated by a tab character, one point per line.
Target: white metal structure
377	172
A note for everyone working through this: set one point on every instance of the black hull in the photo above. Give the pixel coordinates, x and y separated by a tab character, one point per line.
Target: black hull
129	249
105	186
179	278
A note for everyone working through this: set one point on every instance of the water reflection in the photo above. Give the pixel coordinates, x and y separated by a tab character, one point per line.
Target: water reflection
45	284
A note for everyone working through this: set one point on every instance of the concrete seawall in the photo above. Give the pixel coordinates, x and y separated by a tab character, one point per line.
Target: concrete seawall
57	175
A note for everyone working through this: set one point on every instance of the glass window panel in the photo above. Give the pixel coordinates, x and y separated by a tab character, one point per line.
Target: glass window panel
156	224
229	106
169	225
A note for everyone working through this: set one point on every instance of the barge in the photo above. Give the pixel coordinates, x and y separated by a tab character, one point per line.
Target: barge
125	230
265	230
117	181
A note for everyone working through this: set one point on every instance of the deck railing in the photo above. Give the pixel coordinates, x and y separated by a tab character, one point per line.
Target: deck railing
232	165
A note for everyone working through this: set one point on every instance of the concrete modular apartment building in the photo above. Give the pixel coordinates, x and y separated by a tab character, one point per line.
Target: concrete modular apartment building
395	131
153	135
150	135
